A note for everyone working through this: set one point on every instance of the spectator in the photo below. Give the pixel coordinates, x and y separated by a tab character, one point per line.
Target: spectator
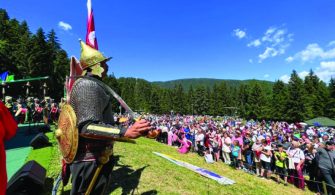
247	151
54	112
216	144
298	158
325	159
257	148
208	156
185	144
170	137
226	143
236	154
281	157
265	157
311	166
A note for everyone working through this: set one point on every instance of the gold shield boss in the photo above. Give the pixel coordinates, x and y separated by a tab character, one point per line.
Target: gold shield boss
67	133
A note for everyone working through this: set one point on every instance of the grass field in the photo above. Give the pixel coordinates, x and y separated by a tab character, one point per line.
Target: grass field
139	171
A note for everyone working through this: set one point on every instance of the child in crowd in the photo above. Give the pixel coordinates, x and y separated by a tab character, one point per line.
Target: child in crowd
208	156
236	154
281	158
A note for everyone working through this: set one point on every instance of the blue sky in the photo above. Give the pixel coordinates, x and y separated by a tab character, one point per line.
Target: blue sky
173	39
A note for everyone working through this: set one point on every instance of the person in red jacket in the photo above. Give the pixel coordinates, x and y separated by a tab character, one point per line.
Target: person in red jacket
8	129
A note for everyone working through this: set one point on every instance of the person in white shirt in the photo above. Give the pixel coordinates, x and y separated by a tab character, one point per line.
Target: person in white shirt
208	157
164	135
226	145
257	149
298	158
199	138
265	158
199	141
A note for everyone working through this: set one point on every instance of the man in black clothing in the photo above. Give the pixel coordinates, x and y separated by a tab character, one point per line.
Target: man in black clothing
325	158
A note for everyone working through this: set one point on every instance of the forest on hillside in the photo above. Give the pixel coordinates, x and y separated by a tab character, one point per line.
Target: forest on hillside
26	55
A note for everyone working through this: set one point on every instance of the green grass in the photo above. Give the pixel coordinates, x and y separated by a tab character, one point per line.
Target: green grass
50	159
138	170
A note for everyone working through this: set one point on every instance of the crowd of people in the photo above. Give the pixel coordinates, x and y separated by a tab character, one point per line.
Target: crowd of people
286	151
262	148
33	110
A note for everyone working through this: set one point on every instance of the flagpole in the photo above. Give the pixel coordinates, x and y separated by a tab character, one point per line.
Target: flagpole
91	38
3	90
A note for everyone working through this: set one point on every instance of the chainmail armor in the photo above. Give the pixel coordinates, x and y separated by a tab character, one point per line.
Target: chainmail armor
90	102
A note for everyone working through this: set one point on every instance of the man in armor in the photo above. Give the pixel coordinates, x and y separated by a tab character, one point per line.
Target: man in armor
97	129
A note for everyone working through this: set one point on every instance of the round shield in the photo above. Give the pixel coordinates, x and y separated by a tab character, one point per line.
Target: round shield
67	133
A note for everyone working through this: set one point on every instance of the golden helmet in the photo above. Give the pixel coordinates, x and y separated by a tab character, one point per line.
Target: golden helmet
90	56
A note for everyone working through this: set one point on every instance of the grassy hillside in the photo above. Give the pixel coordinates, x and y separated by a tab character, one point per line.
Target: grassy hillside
186	83
138	170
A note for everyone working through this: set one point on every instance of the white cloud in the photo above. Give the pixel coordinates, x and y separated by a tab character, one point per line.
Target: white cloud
331	43
270	30
289	59
274	41
65	26
251	61
326	71
239	33
303	74
313	52
330	65
269	52
266	76
285	78
254	43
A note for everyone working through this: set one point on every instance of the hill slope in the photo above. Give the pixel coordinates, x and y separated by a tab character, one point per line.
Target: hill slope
138	170
186	83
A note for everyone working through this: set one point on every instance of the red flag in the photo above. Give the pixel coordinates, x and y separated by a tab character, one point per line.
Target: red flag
91	40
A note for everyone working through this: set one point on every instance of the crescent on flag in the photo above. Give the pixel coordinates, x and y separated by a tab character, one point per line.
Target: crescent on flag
91	39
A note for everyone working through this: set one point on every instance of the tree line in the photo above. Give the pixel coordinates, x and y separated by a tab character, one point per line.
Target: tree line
26	55
298	100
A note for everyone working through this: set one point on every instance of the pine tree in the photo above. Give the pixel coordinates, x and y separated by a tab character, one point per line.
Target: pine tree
154	101
201	100
127	86
113	83
330	108
311	83
59	64
222	91
38	61
22	51
296	104
165	101
142	95
190	100
257	103
178	99
214	101
278	101
243	100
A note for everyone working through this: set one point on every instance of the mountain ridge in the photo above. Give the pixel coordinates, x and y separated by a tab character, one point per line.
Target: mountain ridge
209	82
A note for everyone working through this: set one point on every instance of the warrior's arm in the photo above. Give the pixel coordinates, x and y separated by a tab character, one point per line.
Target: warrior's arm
99	130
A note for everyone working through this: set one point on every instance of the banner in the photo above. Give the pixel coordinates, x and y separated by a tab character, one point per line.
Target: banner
91	39
204	172
3	76
10	78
